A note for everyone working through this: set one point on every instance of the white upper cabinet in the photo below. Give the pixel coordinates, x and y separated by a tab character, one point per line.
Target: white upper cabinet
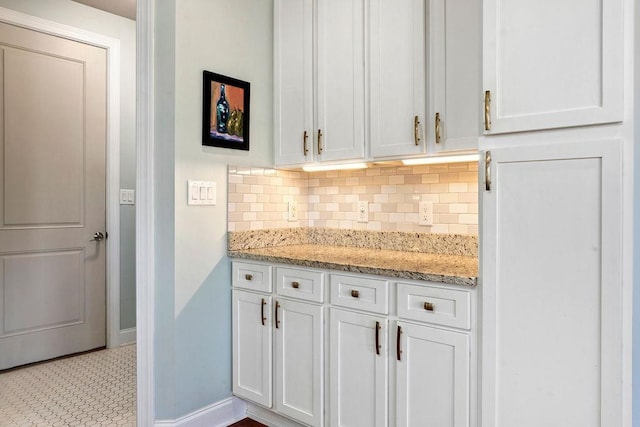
318	81
293	81
397	77
455	28
552	63
339	134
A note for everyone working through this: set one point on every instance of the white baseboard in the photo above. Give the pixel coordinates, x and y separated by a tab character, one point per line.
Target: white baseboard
219	414
127	336
269	418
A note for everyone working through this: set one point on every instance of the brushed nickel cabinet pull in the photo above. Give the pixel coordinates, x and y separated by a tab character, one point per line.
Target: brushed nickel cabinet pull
398	349
295	285
277	321
487	110
248	277
378	338
305	149
487	170
355	293
262	311
416	130
428	306
320	141
437	128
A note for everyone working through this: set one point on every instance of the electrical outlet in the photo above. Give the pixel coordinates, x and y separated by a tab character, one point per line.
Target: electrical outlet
363	211
293	211
426	213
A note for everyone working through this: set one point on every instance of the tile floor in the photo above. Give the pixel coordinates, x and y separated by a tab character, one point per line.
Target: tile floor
92	389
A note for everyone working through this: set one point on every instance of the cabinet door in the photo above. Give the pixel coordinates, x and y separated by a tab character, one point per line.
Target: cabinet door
552	287
397	85
299	361
358	375
340	86
432	377
455	29
252	347
293	81
553	63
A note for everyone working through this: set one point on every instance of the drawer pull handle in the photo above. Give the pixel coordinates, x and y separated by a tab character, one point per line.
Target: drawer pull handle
378	338
428	306
398	349
295	285
355	293
277	320
262	311
248	276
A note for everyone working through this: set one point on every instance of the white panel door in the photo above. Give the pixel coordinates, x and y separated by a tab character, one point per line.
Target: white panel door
455	28
293	81
52	196
553	63
358	370
397	77
551	288
432	377
252	346
340	87
299	361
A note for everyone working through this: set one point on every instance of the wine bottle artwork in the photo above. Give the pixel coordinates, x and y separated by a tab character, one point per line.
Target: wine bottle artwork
222	111
225	112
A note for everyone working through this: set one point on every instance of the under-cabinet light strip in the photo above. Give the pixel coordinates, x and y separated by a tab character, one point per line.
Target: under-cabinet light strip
442	159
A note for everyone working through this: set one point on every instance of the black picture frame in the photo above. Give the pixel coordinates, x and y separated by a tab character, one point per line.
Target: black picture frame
225	111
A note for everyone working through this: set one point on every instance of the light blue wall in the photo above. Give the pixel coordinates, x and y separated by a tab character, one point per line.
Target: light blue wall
193	281
87	18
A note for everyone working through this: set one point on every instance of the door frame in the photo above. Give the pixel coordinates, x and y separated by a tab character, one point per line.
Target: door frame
112	47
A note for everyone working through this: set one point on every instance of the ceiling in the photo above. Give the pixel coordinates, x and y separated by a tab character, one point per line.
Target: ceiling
126	8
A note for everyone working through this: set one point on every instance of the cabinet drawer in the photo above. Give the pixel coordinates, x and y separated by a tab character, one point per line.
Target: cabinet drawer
303	284
256	277
360	293
445	307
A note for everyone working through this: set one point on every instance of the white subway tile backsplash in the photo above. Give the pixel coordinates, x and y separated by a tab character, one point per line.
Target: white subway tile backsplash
258	198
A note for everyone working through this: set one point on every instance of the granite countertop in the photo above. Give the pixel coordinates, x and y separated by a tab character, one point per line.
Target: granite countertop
450	269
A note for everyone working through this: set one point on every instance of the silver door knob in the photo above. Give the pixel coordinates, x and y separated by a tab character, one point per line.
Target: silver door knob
97	237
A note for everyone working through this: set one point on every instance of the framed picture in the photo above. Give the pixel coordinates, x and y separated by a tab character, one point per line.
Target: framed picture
225	111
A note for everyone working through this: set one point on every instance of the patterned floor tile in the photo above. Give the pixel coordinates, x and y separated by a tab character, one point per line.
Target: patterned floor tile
96	388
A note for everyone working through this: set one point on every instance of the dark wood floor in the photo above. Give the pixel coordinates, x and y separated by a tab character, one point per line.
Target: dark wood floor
247	422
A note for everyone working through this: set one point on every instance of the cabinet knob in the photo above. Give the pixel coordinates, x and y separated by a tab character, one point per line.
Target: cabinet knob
416	130
248	277
355	293
428	306
295	285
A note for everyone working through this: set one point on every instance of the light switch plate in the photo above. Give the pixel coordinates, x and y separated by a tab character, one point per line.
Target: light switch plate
127	197
201	193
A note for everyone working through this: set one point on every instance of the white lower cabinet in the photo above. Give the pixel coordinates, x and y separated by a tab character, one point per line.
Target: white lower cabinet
393	354
299	361
358	374
252	347
432	377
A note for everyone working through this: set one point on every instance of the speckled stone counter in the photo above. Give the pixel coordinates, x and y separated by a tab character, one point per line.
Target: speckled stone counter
450	269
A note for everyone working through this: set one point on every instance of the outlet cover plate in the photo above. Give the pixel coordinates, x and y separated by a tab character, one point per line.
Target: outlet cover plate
425	213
